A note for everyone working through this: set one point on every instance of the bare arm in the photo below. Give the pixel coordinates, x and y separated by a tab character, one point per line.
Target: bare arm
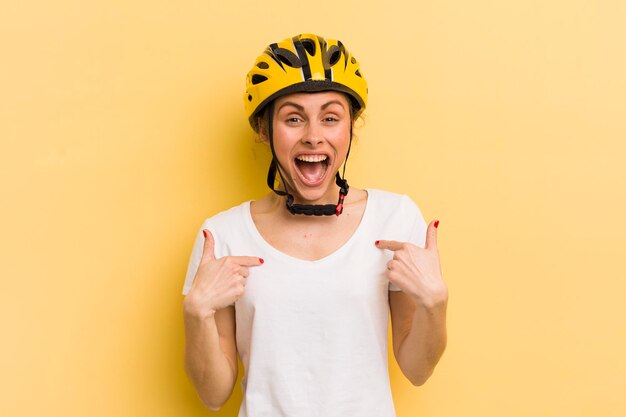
419	335
210	355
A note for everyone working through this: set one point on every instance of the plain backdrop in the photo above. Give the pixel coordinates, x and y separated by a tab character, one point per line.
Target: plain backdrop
122	128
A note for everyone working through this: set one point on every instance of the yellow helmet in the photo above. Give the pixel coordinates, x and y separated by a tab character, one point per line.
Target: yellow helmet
304	63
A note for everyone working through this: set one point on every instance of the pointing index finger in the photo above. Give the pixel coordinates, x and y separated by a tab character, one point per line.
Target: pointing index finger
247	260
392	245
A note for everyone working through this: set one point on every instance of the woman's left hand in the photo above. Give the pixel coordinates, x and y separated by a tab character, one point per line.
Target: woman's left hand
417	271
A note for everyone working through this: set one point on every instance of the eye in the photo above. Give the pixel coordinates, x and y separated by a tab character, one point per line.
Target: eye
331	119
293	119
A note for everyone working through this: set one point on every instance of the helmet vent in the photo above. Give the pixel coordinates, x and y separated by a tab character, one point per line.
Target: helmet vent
263	65
358	73
258	79
249	97
309	45
334	54
353	60
287	57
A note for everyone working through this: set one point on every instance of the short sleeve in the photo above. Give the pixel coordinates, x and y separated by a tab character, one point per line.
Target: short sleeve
417	233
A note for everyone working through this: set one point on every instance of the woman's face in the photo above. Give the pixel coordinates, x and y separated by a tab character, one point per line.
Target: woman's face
311	139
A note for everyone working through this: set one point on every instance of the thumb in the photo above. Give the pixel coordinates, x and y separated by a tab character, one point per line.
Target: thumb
431	235
208	251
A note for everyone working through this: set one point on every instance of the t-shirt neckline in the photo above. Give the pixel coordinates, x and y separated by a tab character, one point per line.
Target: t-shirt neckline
299	261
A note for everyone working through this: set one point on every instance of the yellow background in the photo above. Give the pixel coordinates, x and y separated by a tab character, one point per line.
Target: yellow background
122	128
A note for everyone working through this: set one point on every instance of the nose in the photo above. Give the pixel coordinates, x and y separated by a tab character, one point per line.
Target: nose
313	134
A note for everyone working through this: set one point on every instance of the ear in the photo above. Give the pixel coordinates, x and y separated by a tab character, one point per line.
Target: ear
263	133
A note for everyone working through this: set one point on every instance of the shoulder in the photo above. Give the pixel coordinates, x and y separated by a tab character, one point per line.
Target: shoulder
227	219
398	217
393	204
228	228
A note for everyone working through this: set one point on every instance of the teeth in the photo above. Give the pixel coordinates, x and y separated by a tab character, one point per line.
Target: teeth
312	158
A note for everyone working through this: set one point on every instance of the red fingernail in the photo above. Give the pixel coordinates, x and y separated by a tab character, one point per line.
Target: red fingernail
204	233
261	260
377	242
436	223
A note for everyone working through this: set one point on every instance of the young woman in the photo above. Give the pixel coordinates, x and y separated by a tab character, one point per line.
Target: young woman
300	286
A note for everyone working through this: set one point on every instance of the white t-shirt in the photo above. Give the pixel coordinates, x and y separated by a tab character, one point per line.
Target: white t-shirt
312	335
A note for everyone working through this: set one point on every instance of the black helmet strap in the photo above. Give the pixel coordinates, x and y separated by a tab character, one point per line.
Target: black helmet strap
306	209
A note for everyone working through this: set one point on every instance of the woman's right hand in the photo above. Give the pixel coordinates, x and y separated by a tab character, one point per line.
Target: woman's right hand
218	282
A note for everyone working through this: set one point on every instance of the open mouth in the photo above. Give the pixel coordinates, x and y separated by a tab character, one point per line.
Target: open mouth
311	168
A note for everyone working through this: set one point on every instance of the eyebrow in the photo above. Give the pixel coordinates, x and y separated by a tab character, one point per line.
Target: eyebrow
332	102
291	103
301	108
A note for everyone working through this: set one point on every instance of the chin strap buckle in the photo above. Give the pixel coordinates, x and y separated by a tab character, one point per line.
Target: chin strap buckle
339	208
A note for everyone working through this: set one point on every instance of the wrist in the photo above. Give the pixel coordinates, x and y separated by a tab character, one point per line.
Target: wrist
194	312
433	301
